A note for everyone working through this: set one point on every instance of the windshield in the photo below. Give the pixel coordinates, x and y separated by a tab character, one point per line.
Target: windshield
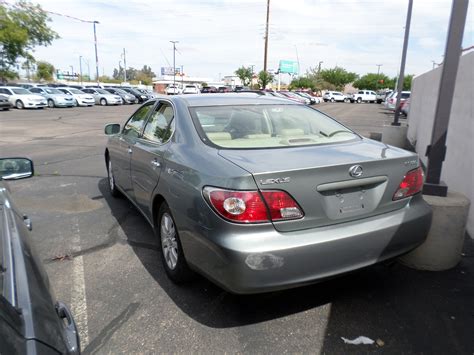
53	91
21	91
267	126
102	91
76	91
120	91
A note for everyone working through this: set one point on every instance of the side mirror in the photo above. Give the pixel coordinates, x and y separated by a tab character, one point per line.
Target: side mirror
16	168
111	129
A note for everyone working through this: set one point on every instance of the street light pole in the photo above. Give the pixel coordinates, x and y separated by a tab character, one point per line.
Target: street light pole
124	67
96	55
80	67
266	38
174	65
401	76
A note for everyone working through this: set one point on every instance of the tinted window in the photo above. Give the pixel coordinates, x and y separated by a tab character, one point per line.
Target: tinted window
35	90
135	123
5	91
160	126
405	95
89	91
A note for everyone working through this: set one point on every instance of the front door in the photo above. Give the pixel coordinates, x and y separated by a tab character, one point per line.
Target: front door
123	149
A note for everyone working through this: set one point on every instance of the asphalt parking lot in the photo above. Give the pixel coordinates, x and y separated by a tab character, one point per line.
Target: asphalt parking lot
101	257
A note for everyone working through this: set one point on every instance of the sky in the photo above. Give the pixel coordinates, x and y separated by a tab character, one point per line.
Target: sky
218	36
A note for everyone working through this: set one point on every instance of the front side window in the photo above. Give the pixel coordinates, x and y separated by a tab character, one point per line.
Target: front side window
267	126
160	126
134	125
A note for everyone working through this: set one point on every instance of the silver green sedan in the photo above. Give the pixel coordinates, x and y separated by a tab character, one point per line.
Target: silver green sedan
259	193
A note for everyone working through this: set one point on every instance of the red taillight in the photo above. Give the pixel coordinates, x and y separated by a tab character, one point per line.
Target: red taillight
412	183
249	207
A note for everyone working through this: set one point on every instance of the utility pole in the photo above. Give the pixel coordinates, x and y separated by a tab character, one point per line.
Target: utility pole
378	73
436	151
124	67
266	38
72	72
174	65
96	55
401	76
319	66
80	67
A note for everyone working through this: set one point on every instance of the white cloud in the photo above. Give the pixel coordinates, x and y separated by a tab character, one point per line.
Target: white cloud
219	36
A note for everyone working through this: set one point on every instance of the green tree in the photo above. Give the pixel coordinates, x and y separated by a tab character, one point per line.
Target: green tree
303	82
407	80
339	77
373	81
23	26
244	74
264	78
44	71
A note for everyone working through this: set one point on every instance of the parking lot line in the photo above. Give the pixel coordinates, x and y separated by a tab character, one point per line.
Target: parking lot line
78	297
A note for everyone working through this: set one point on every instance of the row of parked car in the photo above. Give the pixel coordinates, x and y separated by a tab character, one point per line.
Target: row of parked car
67	96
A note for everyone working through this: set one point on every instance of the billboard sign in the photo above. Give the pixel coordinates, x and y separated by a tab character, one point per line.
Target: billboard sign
169	70
288	66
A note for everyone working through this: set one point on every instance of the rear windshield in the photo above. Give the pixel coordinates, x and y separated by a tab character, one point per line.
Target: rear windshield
267	126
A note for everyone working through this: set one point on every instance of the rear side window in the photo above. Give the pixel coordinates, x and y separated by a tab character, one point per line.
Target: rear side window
267	126
405	95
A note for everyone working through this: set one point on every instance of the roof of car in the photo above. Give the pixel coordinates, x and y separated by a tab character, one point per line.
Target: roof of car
230	99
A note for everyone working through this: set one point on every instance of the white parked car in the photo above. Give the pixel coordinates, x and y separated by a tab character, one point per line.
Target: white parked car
80	98
173	90
363	96
334	96
22	98
191	89
103	97
391	100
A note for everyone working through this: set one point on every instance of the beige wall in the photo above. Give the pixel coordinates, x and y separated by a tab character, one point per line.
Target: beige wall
458	167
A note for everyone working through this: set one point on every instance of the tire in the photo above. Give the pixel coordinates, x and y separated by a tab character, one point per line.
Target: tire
76	103
171	250
50	103
332	99
19	104
359	100
103	102
111	179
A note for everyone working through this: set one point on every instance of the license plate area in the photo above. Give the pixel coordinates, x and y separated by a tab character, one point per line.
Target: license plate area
353	201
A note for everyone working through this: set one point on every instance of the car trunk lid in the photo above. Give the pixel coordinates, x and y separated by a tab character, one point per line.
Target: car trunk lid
319	178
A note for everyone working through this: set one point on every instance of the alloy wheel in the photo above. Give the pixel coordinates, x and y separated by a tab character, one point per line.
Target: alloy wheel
169	242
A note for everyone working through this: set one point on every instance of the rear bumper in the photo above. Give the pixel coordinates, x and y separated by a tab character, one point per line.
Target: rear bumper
262	259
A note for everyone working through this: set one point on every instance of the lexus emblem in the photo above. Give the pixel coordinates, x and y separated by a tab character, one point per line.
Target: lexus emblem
356	171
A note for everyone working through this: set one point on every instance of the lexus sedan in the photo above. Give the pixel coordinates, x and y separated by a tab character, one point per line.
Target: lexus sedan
31	320
259	193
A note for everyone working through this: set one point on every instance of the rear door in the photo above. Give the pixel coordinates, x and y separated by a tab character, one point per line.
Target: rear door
148	160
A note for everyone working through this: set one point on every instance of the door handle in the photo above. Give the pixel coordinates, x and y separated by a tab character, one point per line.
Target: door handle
155	163
129	150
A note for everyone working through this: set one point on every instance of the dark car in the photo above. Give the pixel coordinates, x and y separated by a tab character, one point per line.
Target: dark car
31	321
139	96
127	98
226	89
4	103
208	90
259	193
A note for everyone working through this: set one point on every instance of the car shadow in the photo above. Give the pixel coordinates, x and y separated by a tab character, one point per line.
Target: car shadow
207	303
359	300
